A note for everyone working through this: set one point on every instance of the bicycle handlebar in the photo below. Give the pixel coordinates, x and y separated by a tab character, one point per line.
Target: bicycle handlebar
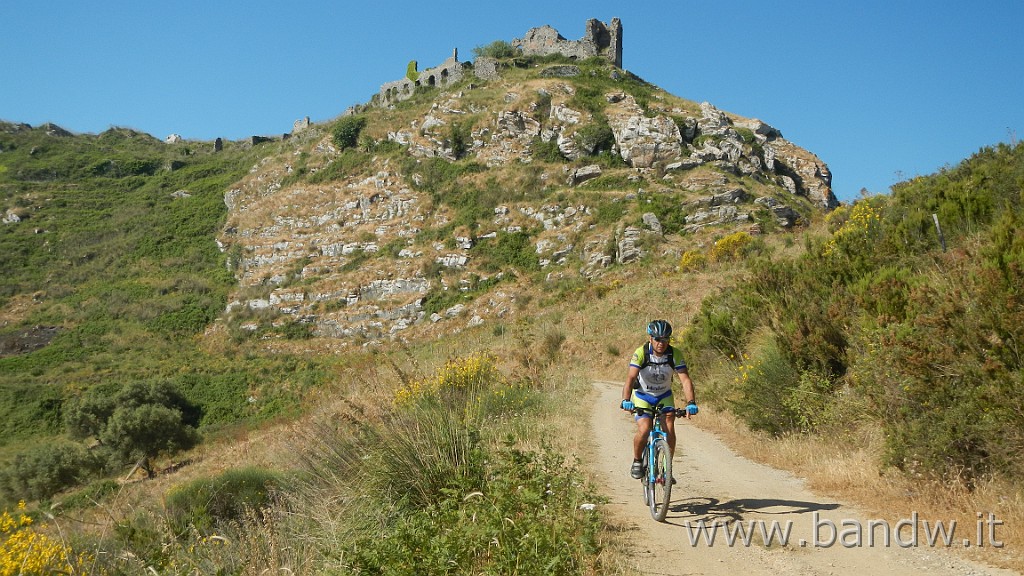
656	412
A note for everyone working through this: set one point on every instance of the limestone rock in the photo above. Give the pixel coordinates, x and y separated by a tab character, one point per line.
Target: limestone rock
810	177
650	219
628	248
643	141
583	174
784	215
718	215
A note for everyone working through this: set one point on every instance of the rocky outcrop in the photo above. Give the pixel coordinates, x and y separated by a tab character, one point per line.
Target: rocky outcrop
580	175
802	172
716	216
642	141
13	216
784	215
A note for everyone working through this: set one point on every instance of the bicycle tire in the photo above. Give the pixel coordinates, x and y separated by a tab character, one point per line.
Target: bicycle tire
660	479
644	481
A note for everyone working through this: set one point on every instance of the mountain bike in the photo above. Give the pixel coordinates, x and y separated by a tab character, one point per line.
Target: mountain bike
657	462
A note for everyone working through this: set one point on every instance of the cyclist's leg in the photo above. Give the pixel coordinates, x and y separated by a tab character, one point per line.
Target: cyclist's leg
670	422
670	432
643	427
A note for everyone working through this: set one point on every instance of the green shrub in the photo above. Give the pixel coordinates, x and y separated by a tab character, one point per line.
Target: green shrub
206	503
438	299
590	97
878	326
549	531
542	107
766	383
42	472
508	249
610	182
497	49
546	151
459	139
350	162
806	312
136	423
884	294
345	132
88	496
593	139
608	212
954	353
437	175
668	207
701	139
412	71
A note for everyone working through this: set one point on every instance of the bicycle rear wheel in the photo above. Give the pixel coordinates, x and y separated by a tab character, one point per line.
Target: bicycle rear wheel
660	478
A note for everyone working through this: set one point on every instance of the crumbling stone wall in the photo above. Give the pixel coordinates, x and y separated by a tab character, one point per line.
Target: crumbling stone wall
450	71
301	124
486	68
600	39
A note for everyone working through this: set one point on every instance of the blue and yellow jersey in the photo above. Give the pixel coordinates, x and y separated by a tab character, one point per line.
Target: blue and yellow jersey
656	371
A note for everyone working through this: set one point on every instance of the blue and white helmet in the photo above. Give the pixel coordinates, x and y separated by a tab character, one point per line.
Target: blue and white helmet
659	329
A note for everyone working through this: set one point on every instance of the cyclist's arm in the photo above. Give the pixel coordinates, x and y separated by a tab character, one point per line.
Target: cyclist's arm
631	376
689	395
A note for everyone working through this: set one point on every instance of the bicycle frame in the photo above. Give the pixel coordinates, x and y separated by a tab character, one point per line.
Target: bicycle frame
657	478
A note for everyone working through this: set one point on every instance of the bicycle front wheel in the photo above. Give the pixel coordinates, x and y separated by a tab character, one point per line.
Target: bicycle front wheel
645	481
660	477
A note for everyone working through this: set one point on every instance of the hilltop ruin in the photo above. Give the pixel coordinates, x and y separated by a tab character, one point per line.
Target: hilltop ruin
600	39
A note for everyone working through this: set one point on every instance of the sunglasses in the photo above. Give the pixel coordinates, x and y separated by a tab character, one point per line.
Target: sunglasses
662	340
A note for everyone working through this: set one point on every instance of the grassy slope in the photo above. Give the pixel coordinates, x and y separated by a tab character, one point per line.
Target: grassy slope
123	269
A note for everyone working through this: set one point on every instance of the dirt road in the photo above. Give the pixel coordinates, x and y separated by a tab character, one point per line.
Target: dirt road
746	500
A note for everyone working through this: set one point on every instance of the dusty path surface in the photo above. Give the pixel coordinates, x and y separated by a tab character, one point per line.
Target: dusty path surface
717	486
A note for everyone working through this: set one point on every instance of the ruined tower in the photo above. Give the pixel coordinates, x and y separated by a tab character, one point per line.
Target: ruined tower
600	39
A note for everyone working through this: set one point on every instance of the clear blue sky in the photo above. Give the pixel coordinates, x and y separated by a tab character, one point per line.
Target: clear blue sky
880	90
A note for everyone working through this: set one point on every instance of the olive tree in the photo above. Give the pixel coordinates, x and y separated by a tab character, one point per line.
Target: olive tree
135	423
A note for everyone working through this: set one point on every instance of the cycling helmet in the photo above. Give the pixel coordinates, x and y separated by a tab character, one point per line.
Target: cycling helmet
659	329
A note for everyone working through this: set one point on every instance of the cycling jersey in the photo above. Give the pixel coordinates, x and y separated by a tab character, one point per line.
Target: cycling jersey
656	371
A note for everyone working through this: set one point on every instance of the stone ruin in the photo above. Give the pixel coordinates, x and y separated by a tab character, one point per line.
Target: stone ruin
600	39
450	71
301	125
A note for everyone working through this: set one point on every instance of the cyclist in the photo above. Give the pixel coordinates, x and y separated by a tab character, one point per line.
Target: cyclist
649	382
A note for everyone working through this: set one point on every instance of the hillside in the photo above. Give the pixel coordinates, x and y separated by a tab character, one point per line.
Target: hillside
446	203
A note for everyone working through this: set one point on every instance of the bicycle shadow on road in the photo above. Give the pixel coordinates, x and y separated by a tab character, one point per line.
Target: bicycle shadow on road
712	509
